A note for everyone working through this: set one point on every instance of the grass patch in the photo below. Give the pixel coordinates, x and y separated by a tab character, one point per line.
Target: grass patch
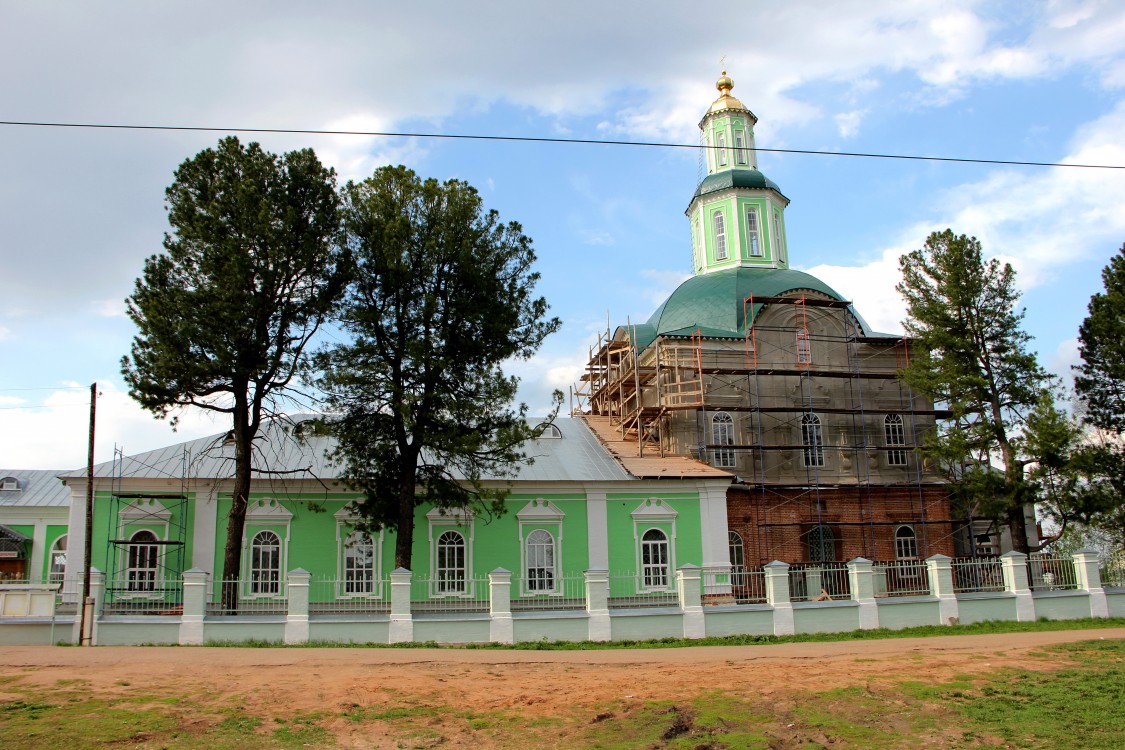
924	631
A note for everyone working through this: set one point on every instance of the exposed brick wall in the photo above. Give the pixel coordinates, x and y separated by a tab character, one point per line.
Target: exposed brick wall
774	524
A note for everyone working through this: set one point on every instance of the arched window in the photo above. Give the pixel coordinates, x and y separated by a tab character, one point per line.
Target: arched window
737	559
143	554
722	433
540	556
57	569
265	563
906	543
450	572
720	227
804	347
822	544
739	147
752	233
359	564
655	573
896	435
813	440
721	142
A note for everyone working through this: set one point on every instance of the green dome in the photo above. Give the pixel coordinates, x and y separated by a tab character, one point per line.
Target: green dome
712	303
736	178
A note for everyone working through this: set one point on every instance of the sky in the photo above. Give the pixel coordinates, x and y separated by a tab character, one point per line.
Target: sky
81	209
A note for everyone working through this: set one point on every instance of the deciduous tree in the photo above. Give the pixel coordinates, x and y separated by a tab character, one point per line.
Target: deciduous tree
251	268
441	297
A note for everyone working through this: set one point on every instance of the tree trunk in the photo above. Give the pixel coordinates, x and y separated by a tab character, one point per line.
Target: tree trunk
404	535
1017	525
236	519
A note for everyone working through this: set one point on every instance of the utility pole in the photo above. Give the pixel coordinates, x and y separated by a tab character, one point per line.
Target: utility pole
86	624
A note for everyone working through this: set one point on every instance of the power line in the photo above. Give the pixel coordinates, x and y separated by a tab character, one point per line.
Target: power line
532	139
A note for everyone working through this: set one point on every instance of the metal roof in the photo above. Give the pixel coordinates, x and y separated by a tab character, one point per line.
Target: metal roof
713	302
38	488
576	456
736	178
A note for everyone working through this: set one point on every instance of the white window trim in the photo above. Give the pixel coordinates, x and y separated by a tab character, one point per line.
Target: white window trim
725	458
721	142
654	513
719	228
281	557
740	155
914	542
463	522
266	514
540	514
754	236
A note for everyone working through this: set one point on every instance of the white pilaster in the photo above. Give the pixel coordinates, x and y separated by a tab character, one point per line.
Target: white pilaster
205	517
597	525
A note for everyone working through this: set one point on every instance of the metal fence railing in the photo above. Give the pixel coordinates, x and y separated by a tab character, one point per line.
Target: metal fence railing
1051	573
449	595
740	586
628	591
343	596
977	574
1113	571
809	582
252	598
143	595
901	578
547	593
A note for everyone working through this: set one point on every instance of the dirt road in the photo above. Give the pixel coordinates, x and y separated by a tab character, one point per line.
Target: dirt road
277	682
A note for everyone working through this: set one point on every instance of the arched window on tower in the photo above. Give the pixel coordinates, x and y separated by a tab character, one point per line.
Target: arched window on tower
895	435
812	439
721	142
779	239
718	222
739	147
722	434
804	347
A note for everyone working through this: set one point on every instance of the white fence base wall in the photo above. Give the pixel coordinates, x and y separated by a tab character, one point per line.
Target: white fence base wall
591	619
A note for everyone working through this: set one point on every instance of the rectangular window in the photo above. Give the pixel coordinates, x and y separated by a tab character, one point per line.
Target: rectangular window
779	241
739	148
721	142
752	232
720	236
804	347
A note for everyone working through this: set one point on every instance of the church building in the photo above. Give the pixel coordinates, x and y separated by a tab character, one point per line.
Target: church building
766	372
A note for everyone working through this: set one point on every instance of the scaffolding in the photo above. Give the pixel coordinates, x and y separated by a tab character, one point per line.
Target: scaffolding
147	538
807	362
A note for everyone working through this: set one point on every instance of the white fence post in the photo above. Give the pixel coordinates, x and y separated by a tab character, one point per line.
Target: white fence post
1089	577
1014	566
401	626
597	605
195	607
861	578
689	588
777	596
940	569
297	614
500	626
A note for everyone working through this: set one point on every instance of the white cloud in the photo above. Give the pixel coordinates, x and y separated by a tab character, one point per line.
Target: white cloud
109	308
5	332
871	287
663	284
53	431
847	123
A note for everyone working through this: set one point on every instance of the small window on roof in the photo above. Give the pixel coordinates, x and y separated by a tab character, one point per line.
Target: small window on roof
9	483
550	431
